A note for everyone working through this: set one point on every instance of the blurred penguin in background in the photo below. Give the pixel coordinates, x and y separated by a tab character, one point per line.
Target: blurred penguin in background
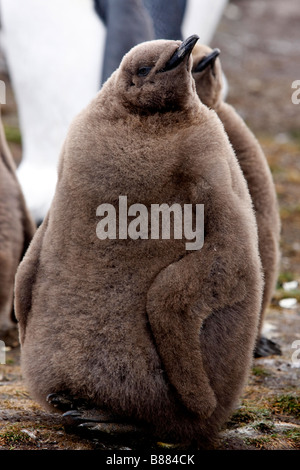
58	54
16	231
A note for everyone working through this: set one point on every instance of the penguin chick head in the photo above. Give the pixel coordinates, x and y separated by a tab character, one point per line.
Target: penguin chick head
155	76
207	73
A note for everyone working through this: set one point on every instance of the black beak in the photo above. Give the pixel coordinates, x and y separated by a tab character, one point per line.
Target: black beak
208	60
184	50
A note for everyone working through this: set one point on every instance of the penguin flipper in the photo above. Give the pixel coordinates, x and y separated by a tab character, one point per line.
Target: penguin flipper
25	279
176	315
181	297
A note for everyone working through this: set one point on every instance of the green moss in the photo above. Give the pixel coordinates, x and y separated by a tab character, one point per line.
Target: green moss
259	371
282	294
295	135
264	427
248	414
293	434
13	134
287	404
285	277
14	435
275	169
9	361
241	416
258	442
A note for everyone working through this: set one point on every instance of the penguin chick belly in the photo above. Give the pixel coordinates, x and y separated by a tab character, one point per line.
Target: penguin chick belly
94	331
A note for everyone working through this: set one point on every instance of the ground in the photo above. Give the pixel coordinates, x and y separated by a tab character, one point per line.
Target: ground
260	43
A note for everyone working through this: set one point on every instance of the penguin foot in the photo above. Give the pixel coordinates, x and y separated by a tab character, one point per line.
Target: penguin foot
93	423
80	418
266	347
76	417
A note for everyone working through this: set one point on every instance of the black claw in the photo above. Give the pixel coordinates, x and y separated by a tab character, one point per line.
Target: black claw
76	417
73	418
64	402
111	428
61	402
73	413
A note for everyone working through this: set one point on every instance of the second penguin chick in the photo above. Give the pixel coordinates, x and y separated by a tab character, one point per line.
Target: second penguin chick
207	74
16	231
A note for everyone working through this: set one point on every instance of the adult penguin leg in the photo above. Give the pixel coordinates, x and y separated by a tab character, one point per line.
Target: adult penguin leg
128	24
167	18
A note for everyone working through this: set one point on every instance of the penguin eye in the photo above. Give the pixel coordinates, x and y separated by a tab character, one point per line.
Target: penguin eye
143	71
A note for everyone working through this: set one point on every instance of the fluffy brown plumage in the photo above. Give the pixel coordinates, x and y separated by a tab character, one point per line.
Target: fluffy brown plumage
144	328
16	231
253	164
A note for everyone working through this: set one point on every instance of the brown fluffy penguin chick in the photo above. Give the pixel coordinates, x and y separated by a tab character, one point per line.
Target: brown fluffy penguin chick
16	231
143	328
207	73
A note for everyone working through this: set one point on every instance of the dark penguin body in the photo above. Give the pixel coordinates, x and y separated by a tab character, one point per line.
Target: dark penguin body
208	78
144	328
16	231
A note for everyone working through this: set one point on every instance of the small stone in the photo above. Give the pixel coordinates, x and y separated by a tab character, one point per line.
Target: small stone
288	303
29	433
292	285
